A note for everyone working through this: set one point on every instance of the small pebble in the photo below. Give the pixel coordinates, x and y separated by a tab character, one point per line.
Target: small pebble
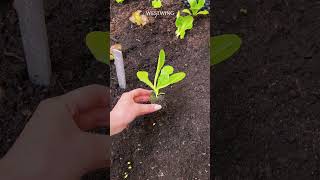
243	11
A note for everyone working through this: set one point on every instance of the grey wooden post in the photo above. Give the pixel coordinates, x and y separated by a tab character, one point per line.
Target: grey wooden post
35	41
118	62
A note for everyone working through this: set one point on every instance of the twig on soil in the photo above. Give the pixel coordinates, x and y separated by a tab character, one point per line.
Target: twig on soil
14	55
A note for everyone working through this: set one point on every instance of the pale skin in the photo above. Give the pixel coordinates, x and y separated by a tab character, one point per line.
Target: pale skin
55	143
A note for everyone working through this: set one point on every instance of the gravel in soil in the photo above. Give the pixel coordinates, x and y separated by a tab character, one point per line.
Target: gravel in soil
172	143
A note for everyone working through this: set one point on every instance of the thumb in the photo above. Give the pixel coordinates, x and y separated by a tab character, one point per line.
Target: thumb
142	109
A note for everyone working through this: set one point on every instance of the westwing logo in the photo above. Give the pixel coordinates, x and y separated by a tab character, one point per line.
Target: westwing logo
159	13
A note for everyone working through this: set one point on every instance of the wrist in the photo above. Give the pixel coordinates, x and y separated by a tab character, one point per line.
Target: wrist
116	123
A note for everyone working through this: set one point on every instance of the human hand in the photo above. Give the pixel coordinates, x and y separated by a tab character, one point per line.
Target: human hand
129	107
55	145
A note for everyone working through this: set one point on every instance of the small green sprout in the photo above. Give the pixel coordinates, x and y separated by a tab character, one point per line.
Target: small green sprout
164	76
183	23
195	7
156	4
119	1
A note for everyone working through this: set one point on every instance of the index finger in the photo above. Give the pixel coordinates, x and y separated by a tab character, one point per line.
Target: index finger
140	92
86	98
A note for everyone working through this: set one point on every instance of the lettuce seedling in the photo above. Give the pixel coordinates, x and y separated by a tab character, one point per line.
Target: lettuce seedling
183	23
139	19
195	7
119	1
164	76
156	4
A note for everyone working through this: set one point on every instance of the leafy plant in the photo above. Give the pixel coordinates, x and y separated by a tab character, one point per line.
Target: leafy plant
195	7
183	23
156	4
138	19
164	75
98	44
223	46
119	1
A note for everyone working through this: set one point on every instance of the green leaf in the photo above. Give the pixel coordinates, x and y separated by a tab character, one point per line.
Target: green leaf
156	4
201	4
176	77
161	61
167	69
186	11
119	1
144	77
98	44
223	46
196	6
192	3
164	79
183	23
205	12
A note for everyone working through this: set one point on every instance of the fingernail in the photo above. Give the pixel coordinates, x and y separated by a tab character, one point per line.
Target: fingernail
157	107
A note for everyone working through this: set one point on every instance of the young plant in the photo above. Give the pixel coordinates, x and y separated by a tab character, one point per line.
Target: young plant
156	4
183	23
119	1
164	76
139	19
195	7
223	46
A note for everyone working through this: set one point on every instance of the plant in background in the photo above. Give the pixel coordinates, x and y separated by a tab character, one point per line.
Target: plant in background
119	1
164	76
138	19
156	4
195	8
183	23
98	44
223	46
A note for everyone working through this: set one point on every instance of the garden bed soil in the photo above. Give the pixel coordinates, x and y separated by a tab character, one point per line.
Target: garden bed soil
266	99
68	22
172	143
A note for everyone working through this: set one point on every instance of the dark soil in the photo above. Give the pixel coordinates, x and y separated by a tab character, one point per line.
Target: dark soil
173	143
68	21
266	99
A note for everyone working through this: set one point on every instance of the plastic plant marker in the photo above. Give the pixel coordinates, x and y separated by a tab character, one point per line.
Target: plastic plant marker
223	46
98	43
118	62
33	29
